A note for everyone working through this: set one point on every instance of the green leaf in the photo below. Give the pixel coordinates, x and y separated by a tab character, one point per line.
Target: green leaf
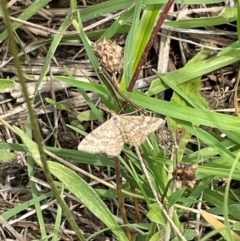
31	145
158	236
60	106
117	25
87	195
218	172
197	69
186	94
5	83
189	234
21	207
233	209
129	49
227	15
137	39
195	116
238	22
6	155
155	214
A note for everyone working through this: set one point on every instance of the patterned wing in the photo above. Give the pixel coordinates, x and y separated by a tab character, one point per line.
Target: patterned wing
135	129
106	139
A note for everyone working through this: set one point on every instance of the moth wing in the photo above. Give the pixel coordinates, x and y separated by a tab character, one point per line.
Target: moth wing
104	139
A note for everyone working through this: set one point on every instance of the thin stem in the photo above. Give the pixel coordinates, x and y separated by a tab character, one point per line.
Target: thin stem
174	227
120	197
37	135
150	43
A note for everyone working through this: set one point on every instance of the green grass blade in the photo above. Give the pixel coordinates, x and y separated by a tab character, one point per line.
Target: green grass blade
227	15
32	9
117	25
55	42
5	83
137	39
198	69
100	9
198	117
87	195
238	21
130	41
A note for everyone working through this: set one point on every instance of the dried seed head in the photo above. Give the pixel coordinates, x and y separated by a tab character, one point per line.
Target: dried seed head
110	55
185	175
